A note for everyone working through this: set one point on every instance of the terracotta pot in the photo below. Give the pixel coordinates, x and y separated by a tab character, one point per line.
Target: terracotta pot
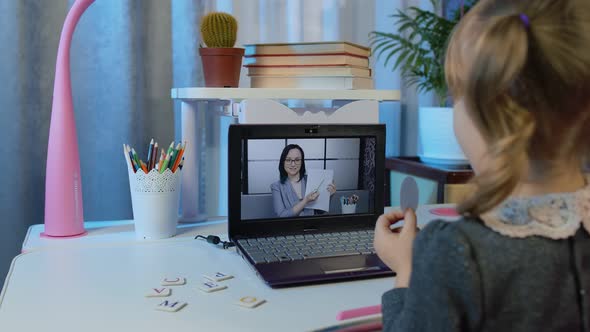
221	66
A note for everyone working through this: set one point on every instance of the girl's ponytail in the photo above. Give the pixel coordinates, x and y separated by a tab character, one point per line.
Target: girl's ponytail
522	69
506	164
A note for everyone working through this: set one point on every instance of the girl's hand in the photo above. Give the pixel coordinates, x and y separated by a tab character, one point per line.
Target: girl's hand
395	248
331	188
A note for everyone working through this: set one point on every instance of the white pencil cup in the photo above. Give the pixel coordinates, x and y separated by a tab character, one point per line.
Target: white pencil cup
348	208
155	198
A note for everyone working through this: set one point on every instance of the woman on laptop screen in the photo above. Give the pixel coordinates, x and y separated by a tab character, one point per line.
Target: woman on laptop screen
288	194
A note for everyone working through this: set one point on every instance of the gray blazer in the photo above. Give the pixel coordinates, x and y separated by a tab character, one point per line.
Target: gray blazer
284	198
466	277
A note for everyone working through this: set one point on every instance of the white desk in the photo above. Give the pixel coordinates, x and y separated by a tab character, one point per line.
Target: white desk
102	289
98	283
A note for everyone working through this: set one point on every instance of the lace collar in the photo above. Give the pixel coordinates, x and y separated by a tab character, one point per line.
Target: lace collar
555	216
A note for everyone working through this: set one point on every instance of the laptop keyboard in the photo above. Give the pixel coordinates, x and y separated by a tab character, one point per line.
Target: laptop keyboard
309	246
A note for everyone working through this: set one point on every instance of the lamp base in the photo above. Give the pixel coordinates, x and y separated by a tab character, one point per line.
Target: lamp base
46	236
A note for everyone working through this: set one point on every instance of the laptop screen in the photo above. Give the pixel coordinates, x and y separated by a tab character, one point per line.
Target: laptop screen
308	175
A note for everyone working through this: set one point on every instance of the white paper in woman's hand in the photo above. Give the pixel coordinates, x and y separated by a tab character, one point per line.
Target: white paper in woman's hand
319	179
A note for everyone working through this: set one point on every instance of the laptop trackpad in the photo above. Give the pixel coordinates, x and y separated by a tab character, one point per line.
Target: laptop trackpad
350	264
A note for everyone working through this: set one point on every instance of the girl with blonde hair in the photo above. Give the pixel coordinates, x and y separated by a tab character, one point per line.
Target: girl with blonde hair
519	258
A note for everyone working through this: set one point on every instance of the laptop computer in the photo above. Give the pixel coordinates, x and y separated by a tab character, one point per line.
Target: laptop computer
304	199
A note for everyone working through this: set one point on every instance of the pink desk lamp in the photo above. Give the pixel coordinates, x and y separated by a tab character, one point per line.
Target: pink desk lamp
64	216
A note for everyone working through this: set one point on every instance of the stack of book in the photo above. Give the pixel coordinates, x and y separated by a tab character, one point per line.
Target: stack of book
320	65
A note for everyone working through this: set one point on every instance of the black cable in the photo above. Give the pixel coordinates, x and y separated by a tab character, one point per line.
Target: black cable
213	239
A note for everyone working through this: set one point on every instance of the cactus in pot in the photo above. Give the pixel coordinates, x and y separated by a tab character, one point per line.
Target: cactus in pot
221	61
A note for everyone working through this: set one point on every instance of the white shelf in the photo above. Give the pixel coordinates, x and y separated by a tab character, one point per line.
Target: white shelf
237	94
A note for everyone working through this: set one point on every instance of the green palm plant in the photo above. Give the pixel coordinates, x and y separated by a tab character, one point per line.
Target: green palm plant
420	45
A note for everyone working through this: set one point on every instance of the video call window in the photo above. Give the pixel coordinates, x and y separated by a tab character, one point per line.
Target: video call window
350	161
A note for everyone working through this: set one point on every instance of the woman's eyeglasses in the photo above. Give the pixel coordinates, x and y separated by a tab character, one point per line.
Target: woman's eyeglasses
296	161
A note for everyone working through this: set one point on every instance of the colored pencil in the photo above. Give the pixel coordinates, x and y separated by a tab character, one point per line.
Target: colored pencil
128	157
171	156
179	157
359	312
161	160
165	164
144	167
176	152
133	163
170	148
154	156
149	155
135	157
